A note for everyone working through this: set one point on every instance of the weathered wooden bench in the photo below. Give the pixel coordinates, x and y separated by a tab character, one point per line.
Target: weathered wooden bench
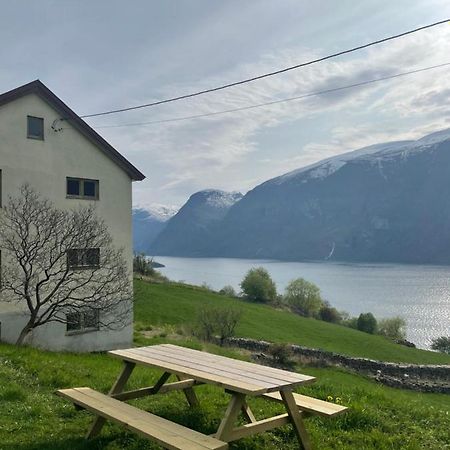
162	431
311	405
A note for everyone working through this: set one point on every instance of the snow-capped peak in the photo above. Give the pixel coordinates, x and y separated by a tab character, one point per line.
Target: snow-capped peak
156	211
218	198
375	152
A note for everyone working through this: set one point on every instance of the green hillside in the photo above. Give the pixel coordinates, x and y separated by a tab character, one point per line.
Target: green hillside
159	304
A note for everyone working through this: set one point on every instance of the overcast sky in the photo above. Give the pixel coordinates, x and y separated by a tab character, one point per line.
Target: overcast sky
106	54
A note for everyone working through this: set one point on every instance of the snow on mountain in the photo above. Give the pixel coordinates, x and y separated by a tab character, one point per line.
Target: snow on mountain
221	199
376	153
158	212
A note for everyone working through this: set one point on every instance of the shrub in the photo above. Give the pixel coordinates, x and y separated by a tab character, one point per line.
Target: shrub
228	291
303	297
143	265
329	314
441	344
393	328
366	322
281	354
218	320
258	286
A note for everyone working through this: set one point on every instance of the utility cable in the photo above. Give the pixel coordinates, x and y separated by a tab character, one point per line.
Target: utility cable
269	74
274	102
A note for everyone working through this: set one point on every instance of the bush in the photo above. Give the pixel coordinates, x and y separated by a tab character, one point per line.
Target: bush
258	286
228	291
220	321
281	354
367	323
393	328
441	344
304	297
329	314
143	265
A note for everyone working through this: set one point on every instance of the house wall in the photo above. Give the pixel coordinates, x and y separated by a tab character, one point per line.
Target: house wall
45	166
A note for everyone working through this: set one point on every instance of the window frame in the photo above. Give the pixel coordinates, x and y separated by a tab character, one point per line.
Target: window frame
81	316
84	257
34	136
81	195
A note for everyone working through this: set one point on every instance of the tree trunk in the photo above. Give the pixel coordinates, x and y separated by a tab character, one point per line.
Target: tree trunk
24	333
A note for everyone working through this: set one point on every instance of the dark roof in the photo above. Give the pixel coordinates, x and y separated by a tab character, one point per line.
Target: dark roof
38	88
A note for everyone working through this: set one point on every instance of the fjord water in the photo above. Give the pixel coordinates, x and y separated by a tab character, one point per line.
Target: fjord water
418	293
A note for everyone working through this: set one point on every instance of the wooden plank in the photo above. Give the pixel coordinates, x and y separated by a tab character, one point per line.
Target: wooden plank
311	405
258	427
229	365
117	387
210	367
296	419
217	368
162	431
190	395
196	374
144	392
254	367
248	413
231	415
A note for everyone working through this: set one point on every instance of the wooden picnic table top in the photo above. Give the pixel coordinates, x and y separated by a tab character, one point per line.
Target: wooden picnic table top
235	375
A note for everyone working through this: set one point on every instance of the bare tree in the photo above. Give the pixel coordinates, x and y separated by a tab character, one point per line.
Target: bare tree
60	263
220	320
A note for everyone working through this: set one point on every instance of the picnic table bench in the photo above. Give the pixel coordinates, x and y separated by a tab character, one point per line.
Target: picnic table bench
192	368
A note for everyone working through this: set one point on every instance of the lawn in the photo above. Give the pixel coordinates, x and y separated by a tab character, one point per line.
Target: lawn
33	418
175	304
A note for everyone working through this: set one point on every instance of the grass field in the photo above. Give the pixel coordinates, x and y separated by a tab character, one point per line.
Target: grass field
179	304
32	417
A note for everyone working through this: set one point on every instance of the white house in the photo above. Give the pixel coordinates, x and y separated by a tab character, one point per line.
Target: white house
55	157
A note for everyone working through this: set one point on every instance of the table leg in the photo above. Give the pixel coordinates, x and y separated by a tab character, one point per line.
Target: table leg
190	394
248	413
227	425
118	387
296	418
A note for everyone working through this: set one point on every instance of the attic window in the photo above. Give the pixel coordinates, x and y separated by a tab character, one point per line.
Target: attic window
35	128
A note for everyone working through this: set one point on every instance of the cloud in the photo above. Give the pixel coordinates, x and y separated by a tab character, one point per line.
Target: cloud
218	151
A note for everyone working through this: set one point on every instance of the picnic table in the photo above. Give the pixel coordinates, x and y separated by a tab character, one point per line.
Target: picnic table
191	367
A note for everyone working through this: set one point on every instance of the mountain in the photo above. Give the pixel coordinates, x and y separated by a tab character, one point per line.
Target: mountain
388	202
190	227
147	224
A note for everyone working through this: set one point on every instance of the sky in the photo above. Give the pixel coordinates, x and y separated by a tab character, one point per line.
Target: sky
108	54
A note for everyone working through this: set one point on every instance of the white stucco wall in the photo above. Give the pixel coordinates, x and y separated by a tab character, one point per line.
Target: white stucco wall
45	166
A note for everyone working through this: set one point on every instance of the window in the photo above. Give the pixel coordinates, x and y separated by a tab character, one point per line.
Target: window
35	128
78	322
83	258
81	188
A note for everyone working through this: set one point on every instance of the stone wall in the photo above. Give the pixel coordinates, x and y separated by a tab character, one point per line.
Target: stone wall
428	378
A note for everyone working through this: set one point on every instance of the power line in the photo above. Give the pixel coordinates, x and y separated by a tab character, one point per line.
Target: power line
269	74
274	102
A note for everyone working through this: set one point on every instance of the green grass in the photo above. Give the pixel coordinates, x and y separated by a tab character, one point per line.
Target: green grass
161	304
33	418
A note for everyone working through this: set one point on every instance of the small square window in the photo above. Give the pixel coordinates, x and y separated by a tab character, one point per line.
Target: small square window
73	187
90	188
35	128
73	321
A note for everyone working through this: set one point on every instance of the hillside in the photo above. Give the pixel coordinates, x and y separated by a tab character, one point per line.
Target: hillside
34	418
179	304
384	203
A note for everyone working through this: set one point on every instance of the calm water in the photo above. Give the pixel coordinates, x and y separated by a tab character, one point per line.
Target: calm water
420	294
